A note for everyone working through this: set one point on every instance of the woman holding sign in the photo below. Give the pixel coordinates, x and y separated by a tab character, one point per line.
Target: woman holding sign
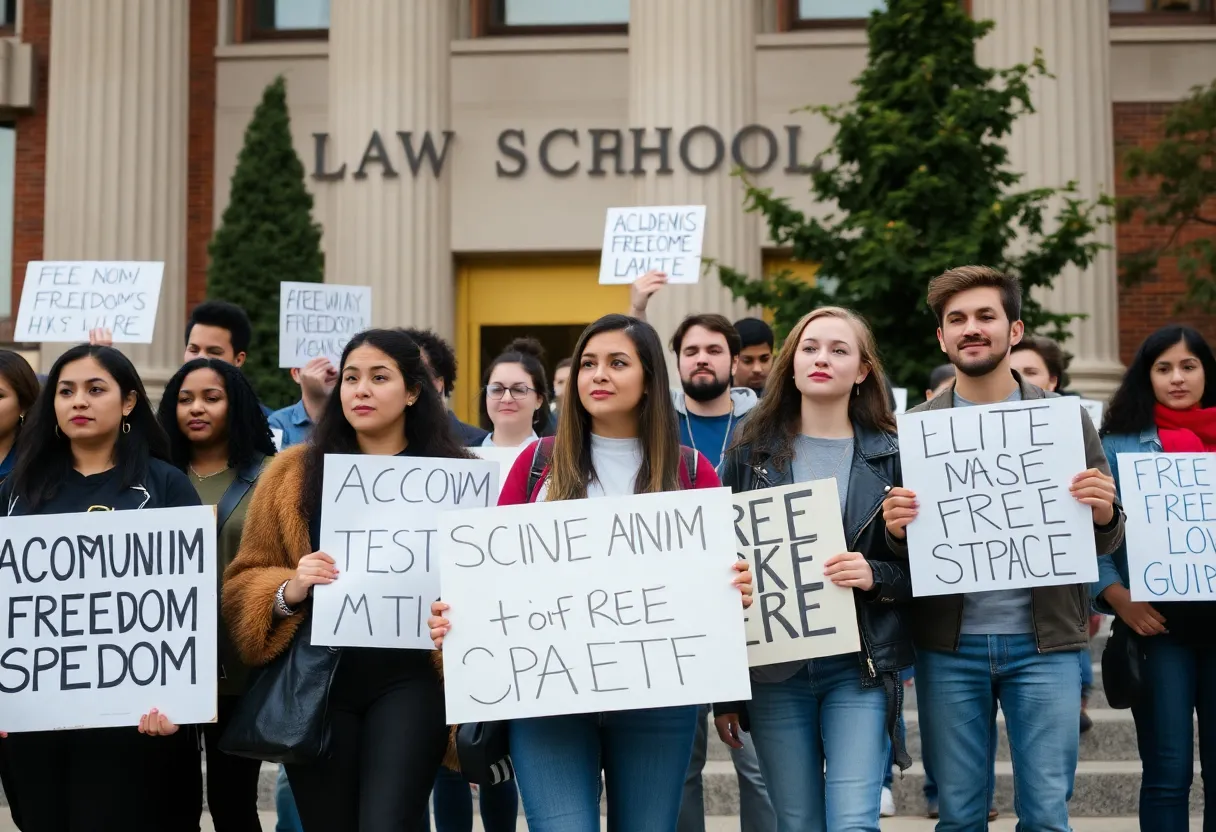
617	436
385	713
219	437
92	443
1166	405
825	415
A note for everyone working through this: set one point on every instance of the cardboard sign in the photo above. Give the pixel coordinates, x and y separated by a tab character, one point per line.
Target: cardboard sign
787	533
653	238
62	301
318	319
1170	503
995	509
107	615
378	521
504	457
581	606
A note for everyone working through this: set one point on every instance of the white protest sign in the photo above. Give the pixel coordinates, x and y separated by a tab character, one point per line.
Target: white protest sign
995	509
276	435
653	238
378	522
109	620
787	533
317	319
1170	503
1095	409
62	301
901	399
580	606
505	457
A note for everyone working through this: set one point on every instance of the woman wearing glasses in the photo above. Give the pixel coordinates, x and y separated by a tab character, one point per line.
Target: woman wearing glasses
515	405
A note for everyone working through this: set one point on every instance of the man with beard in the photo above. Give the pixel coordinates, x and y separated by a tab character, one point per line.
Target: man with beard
1017	647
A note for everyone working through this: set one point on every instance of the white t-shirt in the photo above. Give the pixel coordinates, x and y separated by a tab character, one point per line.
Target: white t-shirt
488	442
616	463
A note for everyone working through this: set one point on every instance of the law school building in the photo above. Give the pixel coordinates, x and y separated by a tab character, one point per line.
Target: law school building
463	152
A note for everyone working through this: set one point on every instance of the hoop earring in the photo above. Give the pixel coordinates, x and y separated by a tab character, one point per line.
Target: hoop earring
856	389
56	431
126	426
21	419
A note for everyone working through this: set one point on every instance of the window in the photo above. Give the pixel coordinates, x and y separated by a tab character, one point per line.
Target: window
285	19
533	17
8	172
8	15
830	13
1162	12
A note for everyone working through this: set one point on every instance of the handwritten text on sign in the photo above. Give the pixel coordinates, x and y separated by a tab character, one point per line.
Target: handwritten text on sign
592	605
318	319
1170	501
378	522
787	533
110	620
62	301
653	238
995	510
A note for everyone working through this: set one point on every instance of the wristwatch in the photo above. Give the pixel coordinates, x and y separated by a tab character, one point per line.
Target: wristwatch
280	603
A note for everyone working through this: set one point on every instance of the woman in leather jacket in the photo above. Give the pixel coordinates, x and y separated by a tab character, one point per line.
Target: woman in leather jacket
825	414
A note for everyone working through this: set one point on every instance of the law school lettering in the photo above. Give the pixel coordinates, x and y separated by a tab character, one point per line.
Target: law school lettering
563	152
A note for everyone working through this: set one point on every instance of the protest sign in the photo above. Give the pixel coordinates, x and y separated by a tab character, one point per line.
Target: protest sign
901	399
504	457
995	509
107	621
61	301
318	319
378	522
653	238
580	606
276	435
787	533
1170	503
1095	409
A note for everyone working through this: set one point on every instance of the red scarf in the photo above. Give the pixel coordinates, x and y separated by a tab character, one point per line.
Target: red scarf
1186	431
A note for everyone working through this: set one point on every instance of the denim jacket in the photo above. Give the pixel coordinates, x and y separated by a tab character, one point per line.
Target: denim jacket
1113	570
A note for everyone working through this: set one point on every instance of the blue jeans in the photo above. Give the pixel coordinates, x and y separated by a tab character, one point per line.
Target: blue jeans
454	804
643	754
285	805
1040	694
1180	680
755	811
1087	672
822	717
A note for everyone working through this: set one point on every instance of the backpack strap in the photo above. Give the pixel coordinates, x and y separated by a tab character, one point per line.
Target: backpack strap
689	457
540	464
246	476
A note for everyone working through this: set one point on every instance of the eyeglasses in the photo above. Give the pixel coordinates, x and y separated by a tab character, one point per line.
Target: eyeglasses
518	391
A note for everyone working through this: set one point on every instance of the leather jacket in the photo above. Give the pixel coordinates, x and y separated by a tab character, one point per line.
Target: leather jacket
886	641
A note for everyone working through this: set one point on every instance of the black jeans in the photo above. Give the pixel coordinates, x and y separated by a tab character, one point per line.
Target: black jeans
454	804
232	782
6	783
105	779
388	736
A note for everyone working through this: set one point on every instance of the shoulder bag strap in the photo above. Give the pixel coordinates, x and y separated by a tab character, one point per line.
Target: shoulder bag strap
246	476
540	462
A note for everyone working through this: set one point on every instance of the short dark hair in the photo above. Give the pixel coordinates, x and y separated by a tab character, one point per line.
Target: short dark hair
439	355
225	315
754	332
1054	357
954	281
714	323
941	373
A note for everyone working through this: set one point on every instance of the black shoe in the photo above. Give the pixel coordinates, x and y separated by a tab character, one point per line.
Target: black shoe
1086	722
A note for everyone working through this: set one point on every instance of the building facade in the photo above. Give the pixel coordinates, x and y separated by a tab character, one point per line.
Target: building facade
463	152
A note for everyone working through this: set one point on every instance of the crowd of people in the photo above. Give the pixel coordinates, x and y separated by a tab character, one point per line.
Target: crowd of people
815	745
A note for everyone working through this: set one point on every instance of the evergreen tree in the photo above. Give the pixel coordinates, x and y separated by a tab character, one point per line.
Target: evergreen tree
918	181
267	236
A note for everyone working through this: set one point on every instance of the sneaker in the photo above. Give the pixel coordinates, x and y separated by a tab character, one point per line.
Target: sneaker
887	808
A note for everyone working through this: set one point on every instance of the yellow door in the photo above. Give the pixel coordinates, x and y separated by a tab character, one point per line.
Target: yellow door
550	300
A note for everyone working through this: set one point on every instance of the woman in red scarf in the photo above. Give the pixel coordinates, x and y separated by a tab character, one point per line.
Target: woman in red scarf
1166	405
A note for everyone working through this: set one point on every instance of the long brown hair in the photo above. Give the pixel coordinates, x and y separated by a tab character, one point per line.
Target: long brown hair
775	422
570	469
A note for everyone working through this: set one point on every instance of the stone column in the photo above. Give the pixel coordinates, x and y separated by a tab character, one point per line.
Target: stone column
389	226
693	62
1070	137
116	153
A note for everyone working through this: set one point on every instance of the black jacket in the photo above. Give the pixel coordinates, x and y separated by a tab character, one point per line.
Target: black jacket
886	641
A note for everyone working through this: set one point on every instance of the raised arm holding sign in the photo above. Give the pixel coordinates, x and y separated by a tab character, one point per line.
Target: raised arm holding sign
72	301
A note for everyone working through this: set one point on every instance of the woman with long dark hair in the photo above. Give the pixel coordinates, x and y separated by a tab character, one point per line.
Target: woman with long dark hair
219	438
386	711
616	436
515	395
825	415
1166	404
92	443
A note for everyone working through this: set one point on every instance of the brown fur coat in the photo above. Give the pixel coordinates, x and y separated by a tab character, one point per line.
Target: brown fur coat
274	539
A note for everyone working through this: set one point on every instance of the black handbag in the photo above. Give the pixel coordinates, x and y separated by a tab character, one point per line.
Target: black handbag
1123	666
284	715
484	753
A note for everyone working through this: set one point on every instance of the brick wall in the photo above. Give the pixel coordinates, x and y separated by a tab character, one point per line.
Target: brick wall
200	175
1149	305
29	186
